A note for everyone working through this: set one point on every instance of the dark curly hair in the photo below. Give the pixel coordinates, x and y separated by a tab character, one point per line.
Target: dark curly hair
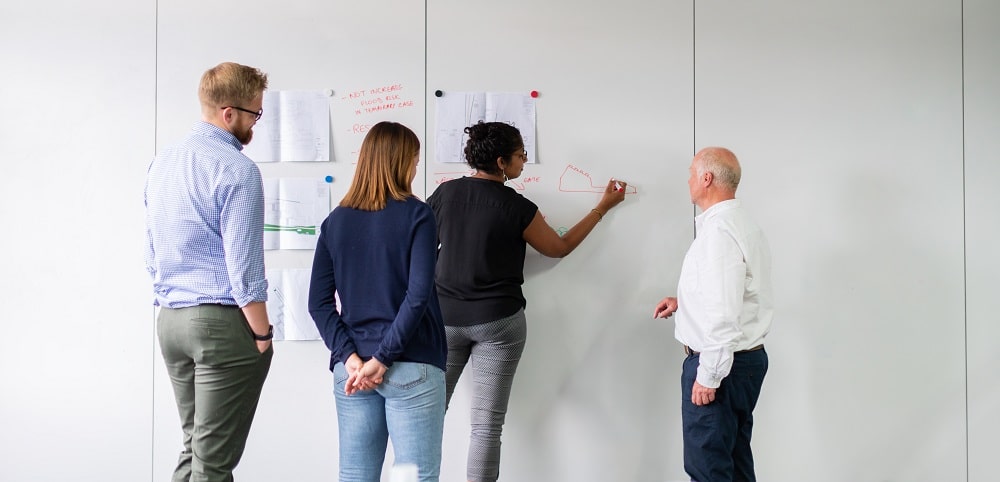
488	141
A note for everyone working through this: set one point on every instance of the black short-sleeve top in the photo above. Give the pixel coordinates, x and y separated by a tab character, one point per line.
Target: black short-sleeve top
480	266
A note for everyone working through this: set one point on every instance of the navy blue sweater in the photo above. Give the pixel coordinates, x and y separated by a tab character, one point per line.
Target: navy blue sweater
381	265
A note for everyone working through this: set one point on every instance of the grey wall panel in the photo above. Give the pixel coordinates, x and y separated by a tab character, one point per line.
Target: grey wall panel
595	397
982	215
847	118
75	139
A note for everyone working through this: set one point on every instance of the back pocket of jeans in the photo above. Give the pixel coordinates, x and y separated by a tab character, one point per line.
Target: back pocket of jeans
339	374
406	374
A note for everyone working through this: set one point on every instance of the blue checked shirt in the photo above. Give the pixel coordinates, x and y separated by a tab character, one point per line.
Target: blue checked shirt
205	222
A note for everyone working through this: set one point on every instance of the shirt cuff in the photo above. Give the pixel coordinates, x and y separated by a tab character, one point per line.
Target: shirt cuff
707	380
253	292
382	359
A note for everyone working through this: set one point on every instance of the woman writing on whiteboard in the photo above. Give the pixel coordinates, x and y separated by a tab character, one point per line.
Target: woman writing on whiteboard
386	338
483	228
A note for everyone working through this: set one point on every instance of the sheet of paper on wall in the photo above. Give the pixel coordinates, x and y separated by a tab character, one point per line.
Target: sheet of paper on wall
288	305
294	209
295	127
457	110
517	110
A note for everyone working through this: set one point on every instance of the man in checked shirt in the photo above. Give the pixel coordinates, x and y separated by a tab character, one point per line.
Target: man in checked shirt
205	252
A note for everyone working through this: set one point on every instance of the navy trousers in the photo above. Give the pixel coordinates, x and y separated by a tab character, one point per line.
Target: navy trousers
717	435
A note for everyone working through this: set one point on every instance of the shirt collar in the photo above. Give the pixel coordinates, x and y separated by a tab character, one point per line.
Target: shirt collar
211	130
715	209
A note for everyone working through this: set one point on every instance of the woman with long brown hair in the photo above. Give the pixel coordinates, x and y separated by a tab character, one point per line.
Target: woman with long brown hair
377	251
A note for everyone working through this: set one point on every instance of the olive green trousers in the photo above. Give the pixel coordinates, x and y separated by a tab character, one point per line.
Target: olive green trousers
217	373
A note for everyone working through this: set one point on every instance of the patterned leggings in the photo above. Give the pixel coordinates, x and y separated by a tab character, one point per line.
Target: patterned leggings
495	349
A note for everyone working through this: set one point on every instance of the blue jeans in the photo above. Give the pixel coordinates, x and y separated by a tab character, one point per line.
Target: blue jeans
717	435
408	407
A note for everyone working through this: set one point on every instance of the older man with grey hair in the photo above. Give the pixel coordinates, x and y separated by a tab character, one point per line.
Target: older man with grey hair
724	309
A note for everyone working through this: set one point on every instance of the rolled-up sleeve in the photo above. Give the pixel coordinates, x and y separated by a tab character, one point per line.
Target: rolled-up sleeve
242	224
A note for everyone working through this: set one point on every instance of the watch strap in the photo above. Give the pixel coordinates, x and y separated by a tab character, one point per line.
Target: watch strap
268	336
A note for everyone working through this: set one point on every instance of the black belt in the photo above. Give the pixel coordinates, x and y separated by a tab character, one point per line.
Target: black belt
689	351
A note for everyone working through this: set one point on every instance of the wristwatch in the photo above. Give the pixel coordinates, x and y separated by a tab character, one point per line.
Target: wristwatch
268	336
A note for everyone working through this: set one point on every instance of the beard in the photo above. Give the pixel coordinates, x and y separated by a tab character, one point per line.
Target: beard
245	137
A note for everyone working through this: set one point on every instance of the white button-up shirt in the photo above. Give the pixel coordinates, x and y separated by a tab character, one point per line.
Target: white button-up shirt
724	300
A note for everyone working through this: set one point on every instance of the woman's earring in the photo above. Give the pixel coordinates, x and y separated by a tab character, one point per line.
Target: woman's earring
505	178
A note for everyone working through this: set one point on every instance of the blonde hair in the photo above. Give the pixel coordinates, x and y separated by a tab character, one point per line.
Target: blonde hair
388	155
230	84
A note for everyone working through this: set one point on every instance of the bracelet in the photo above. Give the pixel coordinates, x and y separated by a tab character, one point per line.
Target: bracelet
600	216
268	336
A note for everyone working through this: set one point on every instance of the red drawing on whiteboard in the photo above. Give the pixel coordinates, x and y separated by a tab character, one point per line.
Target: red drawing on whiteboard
377	99
519	186
443	177
574	179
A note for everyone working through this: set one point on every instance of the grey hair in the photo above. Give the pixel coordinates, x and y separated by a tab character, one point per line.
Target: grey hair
723	165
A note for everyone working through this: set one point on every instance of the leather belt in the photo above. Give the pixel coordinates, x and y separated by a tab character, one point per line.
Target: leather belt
688	351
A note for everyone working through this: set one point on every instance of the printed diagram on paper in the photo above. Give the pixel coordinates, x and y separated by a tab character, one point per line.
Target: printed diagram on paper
288	305
295	127
458	110
294	210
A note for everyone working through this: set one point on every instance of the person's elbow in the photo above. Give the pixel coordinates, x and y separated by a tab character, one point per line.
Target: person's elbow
548	243
560	250
560	253
318	307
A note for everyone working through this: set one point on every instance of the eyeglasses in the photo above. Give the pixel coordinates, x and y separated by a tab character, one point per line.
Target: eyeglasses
256	114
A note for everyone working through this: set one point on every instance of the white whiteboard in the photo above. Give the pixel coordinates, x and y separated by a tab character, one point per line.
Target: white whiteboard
631	90
851	144
608	106
846	112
